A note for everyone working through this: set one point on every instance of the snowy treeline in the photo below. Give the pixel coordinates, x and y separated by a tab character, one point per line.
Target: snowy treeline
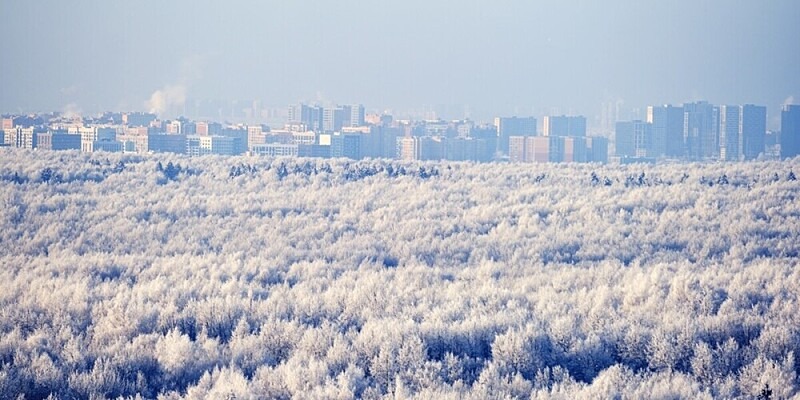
215	277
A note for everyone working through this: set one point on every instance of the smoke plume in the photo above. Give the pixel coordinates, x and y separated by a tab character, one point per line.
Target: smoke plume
167	98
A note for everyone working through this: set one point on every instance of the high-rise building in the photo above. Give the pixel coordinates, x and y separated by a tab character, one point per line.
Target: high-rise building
574	149
346	145
357	115
597	149
752	131
333	119
790	131
314	119
545	149
564	125
516	148
634	139
742	132
488	135
729	135
513	126
310	116
667	121
295	113
701	131
390	137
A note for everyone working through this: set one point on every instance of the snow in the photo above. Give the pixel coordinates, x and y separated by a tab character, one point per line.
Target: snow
271	278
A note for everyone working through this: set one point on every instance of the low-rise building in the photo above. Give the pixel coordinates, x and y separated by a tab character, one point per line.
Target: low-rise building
275	150
58	140
197	145
166	143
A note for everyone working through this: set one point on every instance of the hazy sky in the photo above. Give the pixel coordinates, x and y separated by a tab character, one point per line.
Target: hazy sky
496	57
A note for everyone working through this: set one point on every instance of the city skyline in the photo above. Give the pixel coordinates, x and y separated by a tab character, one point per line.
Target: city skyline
699	131
255	112
508	59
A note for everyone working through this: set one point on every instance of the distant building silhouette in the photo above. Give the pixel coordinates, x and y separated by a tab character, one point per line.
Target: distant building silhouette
634	139
701	131
753	131
205	128
597	149
275	150
346	145
58	140
790	131
667	121
197	145
138	119
729	135
564	126
21	137
513	126
742	132
310	116
333	119
357	115
165	143
558	149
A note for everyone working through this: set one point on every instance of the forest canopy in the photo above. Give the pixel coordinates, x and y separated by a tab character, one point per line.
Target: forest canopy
217	277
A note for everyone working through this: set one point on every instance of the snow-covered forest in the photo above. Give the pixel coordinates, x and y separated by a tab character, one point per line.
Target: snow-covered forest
170	277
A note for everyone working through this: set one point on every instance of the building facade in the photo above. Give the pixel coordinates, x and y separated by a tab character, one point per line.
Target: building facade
729	133
513	126
701	131
667	121
634	139
357	115
564	125
752	131
346	145
790	131
58	140
166	143
275	150
138	119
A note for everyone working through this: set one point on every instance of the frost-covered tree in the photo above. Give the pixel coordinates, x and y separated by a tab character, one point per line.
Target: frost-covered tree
302	278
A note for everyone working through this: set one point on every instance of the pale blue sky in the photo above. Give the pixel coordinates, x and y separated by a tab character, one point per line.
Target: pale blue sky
497	57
